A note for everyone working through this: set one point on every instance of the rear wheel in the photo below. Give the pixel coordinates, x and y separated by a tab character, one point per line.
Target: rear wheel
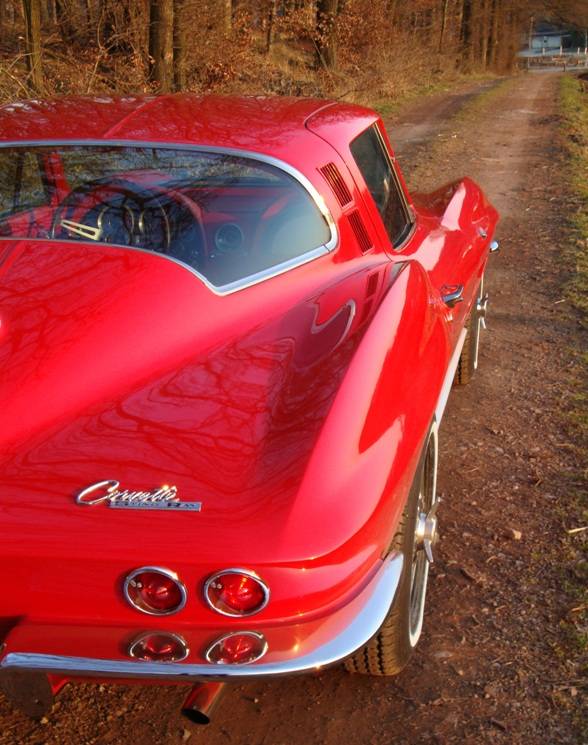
390	650
468	361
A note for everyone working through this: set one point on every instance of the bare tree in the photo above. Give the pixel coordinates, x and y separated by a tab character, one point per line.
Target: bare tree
443	24
270	29
32	16
326	26
67	15
161	43
179	46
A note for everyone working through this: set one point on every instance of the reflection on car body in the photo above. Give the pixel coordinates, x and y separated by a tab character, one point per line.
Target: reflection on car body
234	304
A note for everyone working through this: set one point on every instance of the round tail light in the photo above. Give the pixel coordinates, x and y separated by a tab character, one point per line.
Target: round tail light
156	646
155	591
237	648
236	592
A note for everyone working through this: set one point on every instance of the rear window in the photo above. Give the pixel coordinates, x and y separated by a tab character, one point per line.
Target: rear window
21	182
230	218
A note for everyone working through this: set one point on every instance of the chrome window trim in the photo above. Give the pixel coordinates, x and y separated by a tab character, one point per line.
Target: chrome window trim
166	573
411	232
247	573
239	284
221	639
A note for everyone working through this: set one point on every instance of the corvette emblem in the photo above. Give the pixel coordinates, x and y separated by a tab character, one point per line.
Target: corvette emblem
163	498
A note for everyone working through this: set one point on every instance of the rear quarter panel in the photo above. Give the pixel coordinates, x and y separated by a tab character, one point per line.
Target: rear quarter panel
362	467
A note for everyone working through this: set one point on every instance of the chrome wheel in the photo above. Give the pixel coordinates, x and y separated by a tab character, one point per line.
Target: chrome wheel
480	320
388	652
425	537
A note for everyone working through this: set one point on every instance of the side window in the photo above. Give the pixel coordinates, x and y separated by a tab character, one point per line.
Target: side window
372	160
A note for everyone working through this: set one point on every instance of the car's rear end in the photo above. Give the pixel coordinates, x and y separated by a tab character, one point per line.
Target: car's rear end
160	512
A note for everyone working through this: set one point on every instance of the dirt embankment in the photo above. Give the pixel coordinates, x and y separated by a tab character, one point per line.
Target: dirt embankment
492	665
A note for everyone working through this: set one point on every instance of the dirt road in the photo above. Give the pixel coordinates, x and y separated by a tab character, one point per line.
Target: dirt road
490	666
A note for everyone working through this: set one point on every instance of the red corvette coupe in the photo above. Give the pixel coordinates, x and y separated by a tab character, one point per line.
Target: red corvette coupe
227	337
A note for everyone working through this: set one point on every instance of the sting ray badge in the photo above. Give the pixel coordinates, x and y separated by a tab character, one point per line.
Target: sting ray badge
163	498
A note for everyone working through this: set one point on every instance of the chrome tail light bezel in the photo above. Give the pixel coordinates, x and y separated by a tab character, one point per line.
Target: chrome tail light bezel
134	644
168	574
245	572
208	655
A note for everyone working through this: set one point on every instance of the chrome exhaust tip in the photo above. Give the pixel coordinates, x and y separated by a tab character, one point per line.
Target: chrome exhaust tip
201	701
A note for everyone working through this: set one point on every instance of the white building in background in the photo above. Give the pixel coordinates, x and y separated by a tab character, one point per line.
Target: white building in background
550	41
544	38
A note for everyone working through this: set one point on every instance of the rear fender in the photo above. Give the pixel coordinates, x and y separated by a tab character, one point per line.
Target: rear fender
359	476
460	205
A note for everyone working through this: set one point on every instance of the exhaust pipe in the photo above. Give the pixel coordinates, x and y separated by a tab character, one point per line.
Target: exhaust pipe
200	702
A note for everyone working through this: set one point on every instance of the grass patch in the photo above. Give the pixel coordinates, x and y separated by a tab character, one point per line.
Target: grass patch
574	112
389	106
574	128
482	103
574	107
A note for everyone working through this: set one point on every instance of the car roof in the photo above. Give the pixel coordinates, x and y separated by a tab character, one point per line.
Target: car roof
273	125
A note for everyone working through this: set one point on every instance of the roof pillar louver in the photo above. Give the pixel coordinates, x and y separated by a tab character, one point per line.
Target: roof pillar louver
358	227
335	180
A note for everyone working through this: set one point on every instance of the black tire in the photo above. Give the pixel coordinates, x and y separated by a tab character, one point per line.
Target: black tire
388	652
468	361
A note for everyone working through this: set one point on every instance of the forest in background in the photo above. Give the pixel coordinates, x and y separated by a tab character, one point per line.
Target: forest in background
364	49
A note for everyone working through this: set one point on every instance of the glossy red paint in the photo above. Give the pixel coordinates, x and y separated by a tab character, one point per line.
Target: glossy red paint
295	410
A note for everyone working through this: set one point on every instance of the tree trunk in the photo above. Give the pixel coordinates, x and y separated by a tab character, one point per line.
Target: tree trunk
179	47
326	26
87	13
443	25
467	34
270	28
485	33
66	16
494	33
161	43
32	15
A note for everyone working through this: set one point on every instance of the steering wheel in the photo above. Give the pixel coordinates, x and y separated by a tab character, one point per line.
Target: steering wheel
111	211
123	212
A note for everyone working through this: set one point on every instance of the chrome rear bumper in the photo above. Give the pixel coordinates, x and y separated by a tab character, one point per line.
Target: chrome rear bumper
349	629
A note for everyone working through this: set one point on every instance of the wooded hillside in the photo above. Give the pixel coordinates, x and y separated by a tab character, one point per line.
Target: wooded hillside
362	48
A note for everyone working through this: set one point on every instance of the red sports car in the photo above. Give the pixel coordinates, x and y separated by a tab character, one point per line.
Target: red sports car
227	338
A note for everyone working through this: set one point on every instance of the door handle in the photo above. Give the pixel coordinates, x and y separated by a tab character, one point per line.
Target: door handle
452	295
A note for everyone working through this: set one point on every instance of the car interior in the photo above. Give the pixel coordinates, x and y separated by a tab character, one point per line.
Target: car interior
227	217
